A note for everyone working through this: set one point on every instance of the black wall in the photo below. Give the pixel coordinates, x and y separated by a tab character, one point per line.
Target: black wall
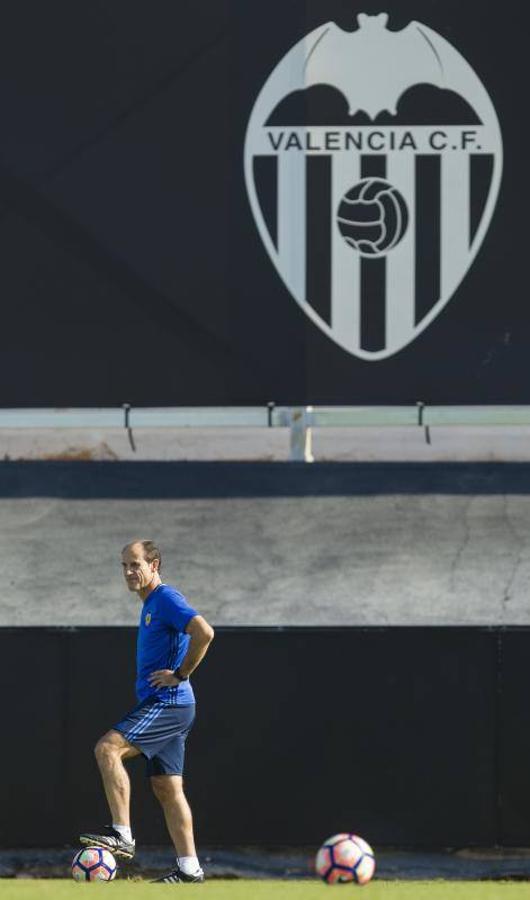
126	234
410	736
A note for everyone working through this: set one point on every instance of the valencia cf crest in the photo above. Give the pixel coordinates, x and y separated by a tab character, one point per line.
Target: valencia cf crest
373	162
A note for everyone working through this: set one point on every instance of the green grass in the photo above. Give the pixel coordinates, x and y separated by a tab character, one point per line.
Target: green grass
39	889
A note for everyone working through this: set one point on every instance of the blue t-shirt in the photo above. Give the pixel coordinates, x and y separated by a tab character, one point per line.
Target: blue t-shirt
163	643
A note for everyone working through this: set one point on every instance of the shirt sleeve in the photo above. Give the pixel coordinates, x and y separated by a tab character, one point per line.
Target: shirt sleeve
176	611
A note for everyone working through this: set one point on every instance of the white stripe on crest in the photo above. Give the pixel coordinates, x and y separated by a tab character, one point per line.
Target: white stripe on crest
345	261
455	199
292	221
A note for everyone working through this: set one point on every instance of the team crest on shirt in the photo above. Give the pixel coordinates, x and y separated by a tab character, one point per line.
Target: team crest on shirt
148	619
373	163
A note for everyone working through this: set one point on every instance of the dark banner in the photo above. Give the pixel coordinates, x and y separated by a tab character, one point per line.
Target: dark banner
230	203
300	733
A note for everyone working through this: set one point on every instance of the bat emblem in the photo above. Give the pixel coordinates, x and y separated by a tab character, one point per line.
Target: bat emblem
373	162
347	61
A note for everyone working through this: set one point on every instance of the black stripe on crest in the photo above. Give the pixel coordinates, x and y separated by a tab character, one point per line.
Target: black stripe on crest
480	175
319	234
373	166
428	233
373	275
266	181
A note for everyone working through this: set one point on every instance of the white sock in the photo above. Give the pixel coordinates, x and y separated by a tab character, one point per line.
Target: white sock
124	831
189	865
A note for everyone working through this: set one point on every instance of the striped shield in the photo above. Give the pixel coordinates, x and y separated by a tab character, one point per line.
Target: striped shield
372	215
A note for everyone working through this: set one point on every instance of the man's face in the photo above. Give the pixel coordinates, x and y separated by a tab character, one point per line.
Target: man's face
138	573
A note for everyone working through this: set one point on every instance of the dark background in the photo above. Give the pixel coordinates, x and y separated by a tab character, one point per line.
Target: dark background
409	736
130	265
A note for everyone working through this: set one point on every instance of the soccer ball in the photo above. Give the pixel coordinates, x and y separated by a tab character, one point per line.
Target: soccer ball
345	857
372	217
93	864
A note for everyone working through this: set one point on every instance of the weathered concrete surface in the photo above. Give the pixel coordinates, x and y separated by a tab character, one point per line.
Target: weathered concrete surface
268	545
479	444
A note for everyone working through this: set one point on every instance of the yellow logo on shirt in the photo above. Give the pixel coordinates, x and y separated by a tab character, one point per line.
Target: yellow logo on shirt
148	619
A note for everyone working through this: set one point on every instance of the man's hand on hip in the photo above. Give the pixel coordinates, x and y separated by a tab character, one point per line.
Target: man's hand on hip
163	678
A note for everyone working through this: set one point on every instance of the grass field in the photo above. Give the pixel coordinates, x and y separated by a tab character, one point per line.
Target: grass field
37	889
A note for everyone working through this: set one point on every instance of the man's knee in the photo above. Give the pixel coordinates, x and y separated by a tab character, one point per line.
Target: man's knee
167	788
112	746
104	751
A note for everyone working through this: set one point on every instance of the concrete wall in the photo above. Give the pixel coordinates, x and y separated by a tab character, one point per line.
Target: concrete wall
267	544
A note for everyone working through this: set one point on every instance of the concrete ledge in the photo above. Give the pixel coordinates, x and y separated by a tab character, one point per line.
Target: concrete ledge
366	444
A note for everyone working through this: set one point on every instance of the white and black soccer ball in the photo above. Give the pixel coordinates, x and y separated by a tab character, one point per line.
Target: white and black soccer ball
345	857
372	217
94	864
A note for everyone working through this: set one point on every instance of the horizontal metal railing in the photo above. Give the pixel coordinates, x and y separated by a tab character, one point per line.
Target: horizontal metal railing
271	416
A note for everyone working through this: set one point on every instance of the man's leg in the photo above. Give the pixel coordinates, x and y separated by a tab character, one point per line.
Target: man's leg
110	751
169	791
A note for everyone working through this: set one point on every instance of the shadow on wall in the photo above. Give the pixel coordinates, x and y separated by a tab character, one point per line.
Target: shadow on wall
166	480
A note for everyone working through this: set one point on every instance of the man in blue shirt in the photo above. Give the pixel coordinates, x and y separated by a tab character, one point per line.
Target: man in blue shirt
172	640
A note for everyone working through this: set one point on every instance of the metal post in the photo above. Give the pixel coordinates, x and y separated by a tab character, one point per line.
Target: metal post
300	435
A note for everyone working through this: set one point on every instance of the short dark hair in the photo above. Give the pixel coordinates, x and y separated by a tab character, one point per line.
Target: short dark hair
152	552
150	549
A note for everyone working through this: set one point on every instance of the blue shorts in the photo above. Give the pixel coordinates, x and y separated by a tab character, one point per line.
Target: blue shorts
159	731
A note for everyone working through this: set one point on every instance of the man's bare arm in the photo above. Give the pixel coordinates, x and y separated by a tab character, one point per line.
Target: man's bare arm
201	635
